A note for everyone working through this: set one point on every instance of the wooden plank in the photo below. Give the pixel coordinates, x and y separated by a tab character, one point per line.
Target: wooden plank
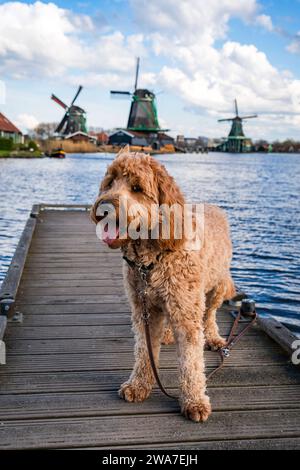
72	299
90	240
27	276
46	256
26	292
289	443
72	270
68	381
89	332
70	207
9	287
72	346
107	431
37	283
3	323
80	256
42	319
278	333
49	405
75	320
42	235
86	249
115	361
73	260
117	307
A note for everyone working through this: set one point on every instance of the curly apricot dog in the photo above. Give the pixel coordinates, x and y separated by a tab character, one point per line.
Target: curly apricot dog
185	287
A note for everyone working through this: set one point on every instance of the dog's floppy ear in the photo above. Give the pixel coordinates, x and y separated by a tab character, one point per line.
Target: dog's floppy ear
169	195
168	191
125	149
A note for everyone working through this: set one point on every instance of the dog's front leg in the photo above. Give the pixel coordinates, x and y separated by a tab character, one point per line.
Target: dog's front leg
140	383
186	320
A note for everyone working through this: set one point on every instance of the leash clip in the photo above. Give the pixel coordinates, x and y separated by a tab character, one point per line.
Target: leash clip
225	352
143	270
146	316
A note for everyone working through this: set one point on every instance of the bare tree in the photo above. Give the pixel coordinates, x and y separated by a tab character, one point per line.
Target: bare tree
45	130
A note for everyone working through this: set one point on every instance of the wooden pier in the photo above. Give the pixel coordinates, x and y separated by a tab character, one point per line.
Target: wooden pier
69	346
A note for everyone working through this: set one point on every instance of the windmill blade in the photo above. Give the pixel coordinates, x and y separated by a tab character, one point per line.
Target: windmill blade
250	117
62	123
76	96
137	73
117	92
120	94
58	101
236	107
225	120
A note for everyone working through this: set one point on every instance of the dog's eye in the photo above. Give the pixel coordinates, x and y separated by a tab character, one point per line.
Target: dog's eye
136	188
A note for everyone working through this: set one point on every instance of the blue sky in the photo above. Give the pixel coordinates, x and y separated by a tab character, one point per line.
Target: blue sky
199	55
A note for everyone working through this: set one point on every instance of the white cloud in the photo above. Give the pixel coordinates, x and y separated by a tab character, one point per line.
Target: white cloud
38	36
208	76
26	122
294	46
191	20
44	39
2	92
265	21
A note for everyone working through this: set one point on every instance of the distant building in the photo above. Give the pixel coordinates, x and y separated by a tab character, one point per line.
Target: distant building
80	136
9	131
156	140
102	137
191	144
213	144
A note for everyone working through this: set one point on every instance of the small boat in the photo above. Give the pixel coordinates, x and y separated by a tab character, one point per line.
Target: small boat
58	153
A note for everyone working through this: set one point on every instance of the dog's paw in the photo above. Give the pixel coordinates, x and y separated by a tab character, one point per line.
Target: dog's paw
198	412
168	337
215	343
134	393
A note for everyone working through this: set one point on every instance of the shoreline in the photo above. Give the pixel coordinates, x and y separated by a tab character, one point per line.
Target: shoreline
35	155
21	154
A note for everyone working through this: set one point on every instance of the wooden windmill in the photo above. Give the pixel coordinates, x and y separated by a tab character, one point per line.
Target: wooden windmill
143	112
74	119
237	141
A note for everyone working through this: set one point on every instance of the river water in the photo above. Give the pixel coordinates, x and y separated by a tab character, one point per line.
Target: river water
259	192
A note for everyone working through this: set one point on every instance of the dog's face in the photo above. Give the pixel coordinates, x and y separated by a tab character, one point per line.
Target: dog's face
133	186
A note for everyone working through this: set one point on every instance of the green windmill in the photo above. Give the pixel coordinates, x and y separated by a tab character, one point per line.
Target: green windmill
143	111
74	119
237	142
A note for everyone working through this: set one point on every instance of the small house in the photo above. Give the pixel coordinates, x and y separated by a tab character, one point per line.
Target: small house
156	140
80	136
9	131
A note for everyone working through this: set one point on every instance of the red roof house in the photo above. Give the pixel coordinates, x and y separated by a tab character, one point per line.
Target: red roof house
8	130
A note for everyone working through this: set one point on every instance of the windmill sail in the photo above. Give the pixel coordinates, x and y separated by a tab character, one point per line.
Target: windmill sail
137	73
62	123
58	101
74	119
76	96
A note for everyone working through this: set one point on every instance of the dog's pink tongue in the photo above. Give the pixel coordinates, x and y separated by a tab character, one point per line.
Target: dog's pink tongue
109	236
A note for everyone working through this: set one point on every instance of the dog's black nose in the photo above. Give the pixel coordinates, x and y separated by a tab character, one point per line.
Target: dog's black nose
107	205
104	208
100	210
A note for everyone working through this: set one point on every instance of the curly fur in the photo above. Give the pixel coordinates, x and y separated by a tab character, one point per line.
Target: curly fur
186	287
